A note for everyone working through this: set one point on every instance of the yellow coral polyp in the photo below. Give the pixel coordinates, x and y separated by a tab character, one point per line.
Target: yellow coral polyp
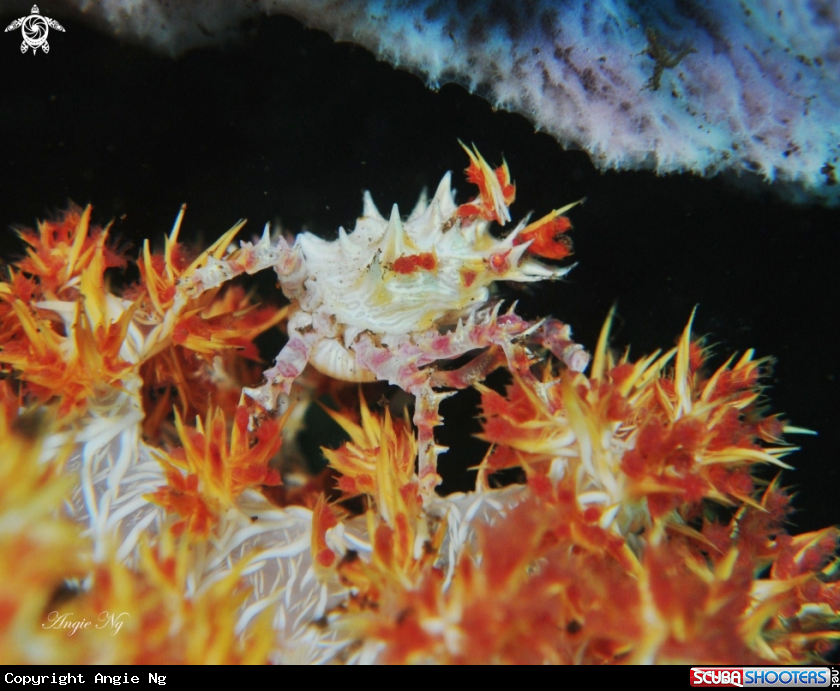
379	459
379	462
59	251
214	465
639	441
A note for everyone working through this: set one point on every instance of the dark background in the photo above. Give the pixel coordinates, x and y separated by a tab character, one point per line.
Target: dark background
285	125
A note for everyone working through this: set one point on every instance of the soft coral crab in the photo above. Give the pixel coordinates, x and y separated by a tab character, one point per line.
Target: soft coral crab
394	296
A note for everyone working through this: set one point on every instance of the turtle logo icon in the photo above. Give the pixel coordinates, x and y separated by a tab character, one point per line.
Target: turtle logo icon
35	28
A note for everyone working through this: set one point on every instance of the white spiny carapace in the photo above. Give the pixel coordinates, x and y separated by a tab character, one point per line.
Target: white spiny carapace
396	295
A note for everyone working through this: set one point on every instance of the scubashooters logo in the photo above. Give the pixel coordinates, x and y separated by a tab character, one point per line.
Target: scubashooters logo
35	28
794	677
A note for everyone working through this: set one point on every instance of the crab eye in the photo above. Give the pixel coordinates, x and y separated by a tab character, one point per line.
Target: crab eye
499	262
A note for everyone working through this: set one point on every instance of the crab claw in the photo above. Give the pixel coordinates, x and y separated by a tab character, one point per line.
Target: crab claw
548	235
495	190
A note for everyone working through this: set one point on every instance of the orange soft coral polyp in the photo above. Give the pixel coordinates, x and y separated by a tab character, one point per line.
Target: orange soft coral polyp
209	471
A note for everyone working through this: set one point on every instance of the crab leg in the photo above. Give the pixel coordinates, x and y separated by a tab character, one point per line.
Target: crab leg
400	361
481	330
427	417
223	263
398	365
557	337
289	363
476	370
